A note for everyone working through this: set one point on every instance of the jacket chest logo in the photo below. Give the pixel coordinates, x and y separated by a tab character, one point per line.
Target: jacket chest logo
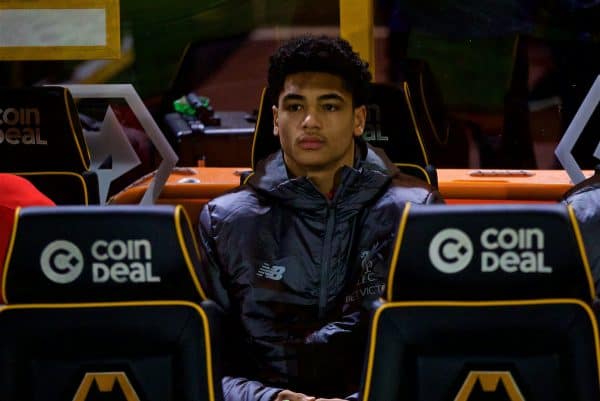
368	257
272	272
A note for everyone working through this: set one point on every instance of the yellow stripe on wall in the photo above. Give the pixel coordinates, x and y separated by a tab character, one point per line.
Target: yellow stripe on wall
356	26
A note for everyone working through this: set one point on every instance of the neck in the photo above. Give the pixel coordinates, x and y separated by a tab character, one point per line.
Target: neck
324	178
324	181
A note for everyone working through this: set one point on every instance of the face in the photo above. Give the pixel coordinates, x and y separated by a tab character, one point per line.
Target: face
316	123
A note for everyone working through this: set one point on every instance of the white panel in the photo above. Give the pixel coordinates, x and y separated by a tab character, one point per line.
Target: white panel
52	27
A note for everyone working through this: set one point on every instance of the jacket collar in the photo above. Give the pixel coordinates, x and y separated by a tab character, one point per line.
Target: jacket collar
371	173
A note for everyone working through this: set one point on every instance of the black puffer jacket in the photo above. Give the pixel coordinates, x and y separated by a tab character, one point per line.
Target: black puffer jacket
292	269
585	199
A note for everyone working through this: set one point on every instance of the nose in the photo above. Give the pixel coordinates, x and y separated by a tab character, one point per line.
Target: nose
311	119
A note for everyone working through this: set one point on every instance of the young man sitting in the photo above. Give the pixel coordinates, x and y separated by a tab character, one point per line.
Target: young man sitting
294	253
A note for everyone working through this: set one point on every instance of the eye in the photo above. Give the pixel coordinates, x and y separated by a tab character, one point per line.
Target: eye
293	107
330	107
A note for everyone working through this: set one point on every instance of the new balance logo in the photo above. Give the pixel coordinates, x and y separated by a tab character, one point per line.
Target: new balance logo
272	272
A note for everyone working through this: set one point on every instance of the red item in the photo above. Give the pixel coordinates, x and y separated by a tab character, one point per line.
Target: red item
15	191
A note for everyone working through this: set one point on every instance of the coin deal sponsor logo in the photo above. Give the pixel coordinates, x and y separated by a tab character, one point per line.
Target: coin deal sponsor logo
504	249
513	250
61	261
20	126
450	251
122	261
118	261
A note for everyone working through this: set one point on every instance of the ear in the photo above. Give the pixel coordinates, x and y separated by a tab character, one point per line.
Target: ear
360	119
275	121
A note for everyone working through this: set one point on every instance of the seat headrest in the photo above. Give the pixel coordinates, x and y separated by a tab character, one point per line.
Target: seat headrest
390	125
94	253
264	142
489	252
40	131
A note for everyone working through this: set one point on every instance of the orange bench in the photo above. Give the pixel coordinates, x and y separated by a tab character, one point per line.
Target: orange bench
193	187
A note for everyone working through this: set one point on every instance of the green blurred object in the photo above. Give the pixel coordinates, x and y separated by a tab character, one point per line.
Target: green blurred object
182	106
473	74
162	29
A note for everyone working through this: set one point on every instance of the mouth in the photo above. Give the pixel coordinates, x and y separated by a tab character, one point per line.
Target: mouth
311	143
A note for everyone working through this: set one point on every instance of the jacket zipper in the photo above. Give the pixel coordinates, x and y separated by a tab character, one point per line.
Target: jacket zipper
326	261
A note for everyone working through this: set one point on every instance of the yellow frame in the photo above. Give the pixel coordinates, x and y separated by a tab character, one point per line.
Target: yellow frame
112	50
356	26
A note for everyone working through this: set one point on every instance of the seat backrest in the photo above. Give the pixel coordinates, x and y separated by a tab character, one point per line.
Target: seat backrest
463	351
40	131
94	253
393	125
390	125
264	142
105	303
66	187
489	252
41	138
445	137
135	351
487	302
427	99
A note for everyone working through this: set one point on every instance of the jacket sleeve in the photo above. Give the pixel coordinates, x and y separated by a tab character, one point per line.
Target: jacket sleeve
586	204
212	279
340	329
341	345
242	389
211	273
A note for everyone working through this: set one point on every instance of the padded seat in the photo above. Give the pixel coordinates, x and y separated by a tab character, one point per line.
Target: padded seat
390	125
95	253
489	252
105	303
41	138
517	351
155	351
487	302
41	131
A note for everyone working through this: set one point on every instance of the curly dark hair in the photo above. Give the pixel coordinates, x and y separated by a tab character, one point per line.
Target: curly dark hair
320	54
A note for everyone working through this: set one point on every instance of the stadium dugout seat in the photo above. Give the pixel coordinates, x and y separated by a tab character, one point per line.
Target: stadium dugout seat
391	125
518	252
489	302
448	139
41	139
104	303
